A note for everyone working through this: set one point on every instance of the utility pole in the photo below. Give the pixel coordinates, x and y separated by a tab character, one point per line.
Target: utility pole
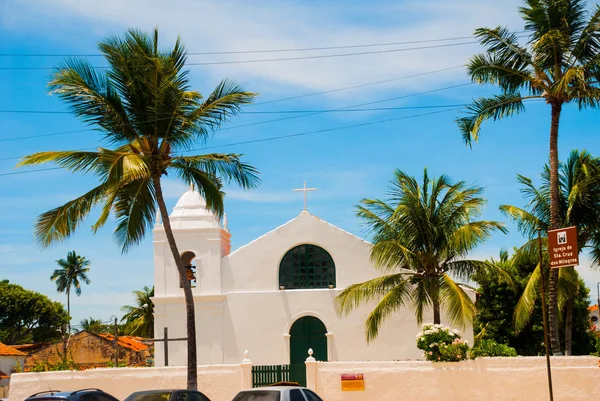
544	313
116	344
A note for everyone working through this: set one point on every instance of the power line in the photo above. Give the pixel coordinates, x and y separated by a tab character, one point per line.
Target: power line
277	59
358	86
215	53
279	137
257	112
307	114
348	107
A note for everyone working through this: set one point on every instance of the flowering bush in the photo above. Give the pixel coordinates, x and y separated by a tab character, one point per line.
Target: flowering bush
441	344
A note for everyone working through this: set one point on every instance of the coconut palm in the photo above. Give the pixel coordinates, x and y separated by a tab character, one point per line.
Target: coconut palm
144	106
560	63
139	319
93	325
579	191
421	237
72	272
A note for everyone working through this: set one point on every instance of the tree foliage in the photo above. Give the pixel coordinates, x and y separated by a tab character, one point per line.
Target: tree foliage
422	236
497	302
27	316
139	319
151	118
559	63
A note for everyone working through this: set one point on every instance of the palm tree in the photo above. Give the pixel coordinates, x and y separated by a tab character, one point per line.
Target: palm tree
421	237
560	63
139	319
579	191
93	325
72	270
146	110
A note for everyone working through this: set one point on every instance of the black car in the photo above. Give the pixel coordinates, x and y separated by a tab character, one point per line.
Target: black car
86	394
167	395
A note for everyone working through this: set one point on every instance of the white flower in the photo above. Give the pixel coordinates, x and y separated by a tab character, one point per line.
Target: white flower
456	332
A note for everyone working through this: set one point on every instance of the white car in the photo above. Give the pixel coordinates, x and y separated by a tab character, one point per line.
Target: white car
277	393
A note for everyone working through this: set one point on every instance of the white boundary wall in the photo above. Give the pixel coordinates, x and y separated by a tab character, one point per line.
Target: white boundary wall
219	382
490	379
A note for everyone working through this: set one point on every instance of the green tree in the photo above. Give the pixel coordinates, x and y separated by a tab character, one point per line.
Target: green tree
144	106
139	319
94	325
72	270
579	191
560	64
29	317
421	235
497	301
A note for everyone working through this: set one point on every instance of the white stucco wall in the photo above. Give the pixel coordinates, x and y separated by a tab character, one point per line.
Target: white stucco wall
219	383
7	363
244	309
490	379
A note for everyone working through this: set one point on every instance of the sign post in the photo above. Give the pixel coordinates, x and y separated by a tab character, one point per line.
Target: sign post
545	315
562	246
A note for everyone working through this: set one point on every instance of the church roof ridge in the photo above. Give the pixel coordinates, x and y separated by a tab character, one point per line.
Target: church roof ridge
304	212
262	236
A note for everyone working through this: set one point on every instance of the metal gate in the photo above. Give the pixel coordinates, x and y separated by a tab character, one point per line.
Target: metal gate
266	375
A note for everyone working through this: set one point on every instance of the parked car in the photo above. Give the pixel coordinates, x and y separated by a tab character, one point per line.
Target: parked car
167	395
277	393
86	394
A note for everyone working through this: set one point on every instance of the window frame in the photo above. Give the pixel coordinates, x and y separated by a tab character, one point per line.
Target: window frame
301	257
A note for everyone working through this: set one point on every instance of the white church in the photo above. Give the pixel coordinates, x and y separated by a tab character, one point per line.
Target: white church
274	296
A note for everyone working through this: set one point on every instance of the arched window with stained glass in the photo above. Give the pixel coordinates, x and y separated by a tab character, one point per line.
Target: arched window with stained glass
306	266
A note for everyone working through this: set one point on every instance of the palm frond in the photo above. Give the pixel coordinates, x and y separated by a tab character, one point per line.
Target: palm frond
494	108
396	298
526	303
457	305
356	294
58	224
228	167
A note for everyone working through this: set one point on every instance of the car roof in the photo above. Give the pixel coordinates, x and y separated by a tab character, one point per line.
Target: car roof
62	394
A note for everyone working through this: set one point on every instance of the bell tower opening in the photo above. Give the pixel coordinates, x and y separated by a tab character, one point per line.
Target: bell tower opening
190	269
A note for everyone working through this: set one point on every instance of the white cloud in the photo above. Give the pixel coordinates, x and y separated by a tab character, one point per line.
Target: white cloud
242	25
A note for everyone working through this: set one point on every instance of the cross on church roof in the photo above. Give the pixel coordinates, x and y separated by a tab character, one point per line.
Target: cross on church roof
305	190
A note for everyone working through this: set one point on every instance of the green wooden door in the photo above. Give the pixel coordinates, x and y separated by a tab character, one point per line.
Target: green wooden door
308	332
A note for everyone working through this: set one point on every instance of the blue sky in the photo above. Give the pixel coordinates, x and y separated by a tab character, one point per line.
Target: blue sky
346	165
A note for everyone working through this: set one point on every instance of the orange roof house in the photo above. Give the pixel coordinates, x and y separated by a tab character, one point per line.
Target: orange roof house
6	350
88	350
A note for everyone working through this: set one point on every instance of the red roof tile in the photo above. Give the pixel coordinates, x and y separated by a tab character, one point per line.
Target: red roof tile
132	343
593	308
5	350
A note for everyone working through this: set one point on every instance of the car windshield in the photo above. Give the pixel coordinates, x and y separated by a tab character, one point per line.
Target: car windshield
257	395
142	396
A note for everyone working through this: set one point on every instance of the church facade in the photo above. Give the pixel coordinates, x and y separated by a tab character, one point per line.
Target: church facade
274	297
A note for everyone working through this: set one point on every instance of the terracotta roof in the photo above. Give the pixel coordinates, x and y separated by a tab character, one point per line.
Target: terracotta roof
132	343
5	350
28	347
3	375
593	308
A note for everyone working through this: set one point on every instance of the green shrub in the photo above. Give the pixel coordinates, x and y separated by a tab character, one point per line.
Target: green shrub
440	344
491	348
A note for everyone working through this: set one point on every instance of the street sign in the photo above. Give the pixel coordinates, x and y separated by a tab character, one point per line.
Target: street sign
562	246
353	382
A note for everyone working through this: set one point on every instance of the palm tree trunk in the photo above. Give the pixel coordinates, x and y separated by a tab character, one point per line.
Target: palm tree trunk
554	223
69	310
192	371
436	311
568	326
